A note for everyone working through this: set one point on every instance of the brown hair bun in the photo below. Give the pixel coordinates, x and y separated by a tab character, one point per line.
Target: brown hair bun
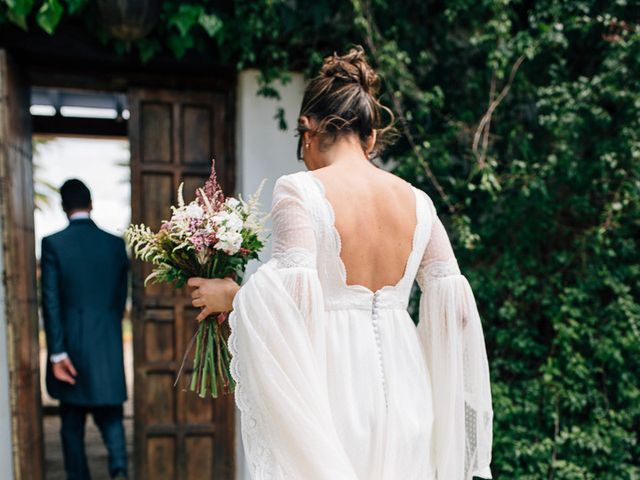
342	99
352	67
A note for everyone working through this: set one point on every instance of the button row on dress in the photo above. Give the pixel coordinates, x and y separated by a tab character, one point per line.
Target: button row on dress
376	332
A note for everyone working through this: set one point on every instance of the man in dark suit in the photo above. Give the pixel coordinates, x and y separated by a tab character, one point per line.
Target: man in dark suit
84	290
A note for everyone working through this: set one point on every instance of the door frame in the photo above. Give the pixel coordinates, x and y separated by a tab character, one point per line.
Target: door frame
19	271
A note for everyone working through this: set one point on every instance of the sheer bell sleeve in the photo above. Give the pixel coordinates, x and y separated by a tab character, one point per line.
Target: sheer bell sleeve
276	346
451	335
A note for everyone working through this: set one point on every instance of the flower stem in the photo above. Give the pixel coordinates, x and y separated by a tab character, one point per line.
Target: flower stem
194	374
212	352
205	362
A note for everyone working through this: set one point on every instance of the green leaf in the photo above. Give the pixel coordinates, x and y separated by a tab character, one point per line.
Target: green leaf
179	44
211	23
147	48
18	11
186	17
20	7
74	6
49	15
280	117
19	20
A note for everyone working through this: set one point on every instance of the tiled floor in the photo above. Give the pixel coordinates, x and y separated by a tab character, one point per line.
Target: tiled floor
96	451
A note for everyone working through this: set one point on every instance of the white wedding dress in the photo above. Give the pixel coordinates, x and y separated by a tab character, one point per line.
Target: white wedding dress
335	381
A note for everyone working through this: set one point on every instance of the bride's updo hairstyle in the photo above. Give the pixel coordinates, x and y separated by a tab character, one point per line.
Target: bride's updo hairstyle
342	99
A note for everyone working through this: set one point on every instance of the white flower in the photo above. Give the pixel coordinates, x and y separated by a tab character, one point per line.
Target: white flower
253	223
179	214
227	221
194	210
229	242
234	223
220	218
232	202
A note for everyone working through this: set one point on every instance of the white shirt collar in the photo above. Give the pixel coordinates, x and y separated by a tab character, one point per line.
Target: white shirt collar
79	215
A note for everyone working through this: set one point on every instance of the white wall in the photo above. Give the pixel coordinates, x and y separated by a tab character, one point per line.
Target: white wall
6	457
263	151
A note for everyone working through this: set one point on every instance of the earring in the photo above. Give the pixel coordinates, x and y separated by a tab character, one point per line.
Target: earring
307	145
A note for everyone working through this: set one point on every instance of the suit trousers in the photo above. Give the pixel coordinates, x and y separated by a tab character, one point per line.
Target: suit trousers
108	419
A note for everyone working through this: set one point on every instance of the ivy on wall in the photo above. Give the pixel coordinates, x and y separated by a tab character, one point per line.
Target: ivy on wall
522	121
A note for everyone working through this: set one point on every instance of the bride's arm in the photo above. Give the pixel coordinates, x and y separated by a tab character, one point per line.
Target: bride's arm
451	334
212	295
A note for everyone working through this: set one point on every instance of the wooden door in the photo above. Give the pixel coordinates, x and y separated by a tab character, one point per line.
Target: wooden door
174	135
19	265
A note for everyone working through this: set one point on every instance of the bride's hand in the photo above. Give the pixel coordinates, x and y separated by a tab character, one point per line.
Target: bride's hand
212	295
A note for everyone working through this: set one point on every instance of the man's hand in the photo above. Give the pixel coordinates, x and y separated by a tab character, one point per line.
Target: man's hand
65	371
213	295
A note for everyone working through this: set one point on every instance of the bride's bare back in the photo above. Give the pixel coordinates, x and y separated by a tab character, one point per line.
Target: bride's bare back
375	216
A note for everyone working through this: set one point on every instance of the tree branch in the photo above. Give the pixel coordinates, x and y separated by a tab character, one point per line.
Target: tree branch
483	129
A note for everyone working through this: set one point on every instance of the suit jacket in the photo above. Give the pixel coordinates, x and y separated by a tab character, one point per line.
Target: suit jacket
84	290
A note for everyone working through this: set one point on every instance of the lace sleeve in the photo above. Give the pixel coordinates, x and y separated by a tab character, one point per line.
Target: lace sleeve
294	243
451	334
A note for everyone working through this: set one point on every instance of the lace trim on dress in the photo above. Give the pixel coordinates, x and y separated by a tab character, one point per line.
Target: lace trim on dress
255	438
437	269
295	257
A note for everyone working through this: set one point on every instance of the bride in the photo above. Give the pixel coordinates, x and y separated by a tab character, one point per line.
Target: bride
334	379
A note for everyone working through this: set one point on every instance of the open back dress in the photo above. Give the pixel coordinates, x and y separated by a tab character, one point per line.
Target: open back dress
335	381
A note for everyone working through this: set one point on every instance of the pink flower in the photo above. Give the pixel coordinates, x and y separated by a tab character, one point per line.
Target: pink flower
212	190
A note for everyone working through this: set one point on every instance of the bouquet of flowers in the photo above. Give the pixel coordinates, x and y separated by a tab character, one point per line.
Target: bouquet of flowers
210	237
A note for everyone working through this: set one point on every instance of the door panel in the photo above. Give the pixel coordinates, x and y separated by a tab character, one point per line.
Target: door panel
174	135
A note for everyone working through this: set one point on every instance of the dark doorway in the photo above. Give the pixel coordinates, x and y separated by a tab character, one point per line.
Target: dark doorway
102	163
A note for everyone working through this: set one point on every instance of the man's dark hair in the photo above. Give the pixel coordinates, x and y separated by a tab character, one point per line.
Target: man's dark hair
75	195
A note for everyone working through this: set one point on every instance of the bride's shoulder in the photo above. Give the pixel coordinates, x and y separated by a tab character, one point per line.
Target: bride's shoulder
400	184
293	186
291	178
421	193
292	183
